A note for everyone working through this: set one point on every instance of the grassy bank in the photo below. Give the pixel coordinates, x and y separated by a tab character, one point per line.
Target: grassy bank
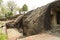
2	35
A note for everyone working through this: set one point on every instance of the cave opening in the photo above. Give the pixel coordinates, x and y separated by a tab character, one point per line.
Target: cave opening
58	17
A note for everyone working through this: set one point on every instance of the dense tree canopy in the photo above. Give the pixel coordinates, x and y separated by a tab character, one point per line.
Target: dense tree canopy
10	9
1	1
25	7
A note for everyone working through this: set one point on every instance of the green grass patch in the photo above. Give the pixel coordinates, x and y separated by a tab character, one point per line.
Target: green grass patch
3	37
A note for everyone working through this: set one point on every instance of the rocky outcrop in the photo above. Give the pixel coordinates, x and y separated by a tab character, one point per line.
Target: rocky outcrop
37	20
32	22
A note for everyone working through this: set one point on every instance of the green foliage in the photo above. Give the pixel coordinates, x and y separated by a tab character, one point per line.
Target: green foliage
9	14
5	12
11	5
25	7
10	9
2	16
3	37
4	9
1	1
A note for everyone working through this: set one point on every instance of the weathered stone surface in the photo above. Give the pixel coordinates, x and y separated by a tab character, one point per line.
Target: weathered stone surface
13	34
43	36
36	21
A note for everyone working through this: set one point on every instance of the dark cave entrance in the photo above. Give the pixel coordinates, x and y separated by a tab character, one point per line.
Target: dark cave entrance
58	17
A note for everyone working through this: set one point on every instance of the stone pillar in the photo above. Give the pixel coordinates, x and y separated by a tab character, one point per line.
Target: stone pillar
53	20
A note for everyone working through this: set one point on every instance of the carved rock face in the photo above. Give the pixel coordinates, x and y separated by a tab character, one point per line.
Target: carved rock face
39	20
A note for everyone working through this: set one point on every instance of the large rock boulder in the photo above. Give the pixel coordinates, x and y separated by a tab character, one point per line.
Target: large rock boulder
36	21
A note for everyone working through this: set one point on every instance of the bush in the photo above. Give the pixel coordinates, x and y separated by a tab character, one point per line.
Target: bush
9	14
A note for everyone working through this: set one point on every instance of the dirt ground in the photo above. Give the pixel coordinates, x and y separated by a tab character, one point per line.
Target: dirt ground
43	36
13	34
